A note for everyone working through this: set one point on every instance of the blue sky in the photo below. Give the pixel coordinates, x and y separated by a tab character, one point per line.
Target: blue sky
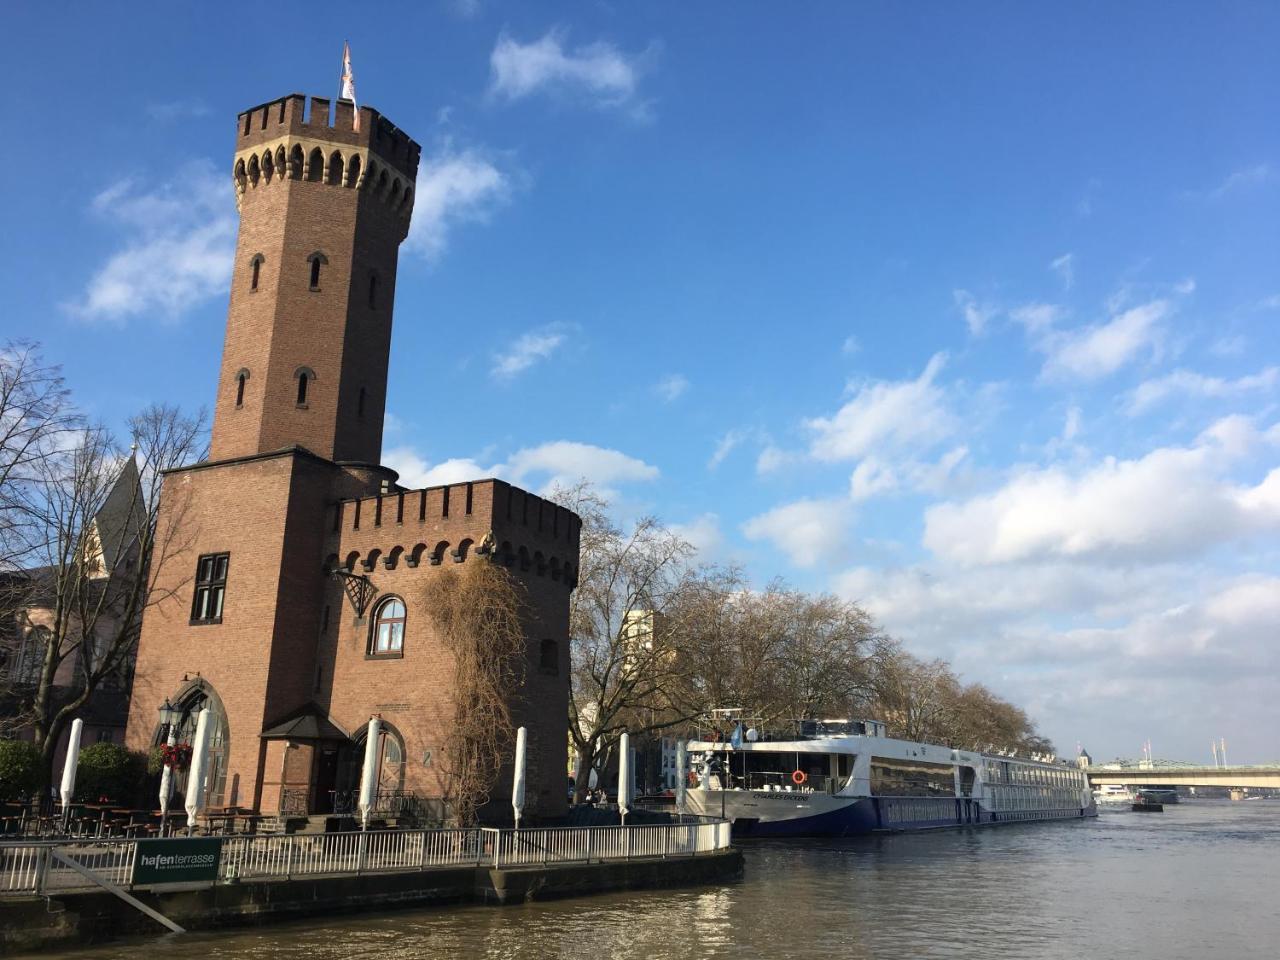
966	312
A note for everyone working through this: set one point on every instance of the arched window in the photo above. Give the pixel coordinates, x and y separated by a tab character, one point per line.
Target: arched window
256	267
335	169
407	202
387	636
316	260
304	376
295	162
241	379
353	171
253	170
315	166
241	179
373	290
268	166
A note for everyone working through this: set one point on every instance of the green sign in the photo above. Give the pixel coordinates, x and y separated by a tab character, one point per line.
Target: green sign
177	860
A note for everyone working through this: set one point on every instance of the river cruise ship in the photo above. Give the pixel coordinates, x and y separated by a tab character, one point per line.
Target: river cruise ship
846	777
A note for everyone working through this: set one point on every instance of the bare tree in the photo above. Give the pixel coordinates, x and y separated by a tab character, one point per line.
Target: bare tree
915	698
629	628
783	654
480	615
36	420
925	700
91	521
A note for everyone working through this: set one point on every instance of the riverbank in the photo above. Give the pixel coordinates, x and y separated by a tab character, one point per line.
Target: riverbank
32	924
78	891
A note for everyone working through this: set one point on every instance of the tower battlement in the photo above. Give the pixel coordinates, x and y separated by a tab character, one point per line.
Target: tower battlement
289	117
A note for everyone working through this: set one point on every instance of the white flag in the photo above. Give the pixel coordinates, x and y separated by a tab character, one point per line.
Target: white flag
349	82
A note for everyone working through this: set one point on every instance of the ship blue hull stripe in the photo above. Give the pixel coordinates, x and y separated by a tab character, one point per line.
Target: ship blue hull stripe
868	816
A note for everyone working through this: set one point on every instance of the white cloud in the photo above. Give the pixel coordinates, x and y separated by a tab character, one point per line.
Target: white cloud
1099	350
850	346
1037	318
1246	177
807	531
597	72
976	315
177	249
704	533
671	387
773	458
1190	384
1172	502
1065	267
871	478
564	462
454	186
558	463
727	444
1071	427
885	416
415	472
527	350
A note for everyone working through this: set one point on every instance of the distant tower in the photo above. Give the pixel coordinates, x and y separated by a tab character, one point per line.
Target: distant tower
323	209
1083	760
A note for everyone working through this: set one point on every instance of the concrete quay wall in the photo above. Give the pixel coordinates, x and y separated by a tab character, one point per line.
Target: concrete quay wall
78	919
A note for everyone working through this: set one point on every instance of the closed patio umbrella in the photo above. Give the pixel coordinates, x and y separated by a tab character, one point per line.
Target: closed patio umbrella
69	768
517	782
369	774
198	770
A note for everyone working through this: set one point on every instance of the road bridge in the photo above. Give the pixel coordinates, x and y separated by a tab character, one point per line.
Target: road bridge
1179	776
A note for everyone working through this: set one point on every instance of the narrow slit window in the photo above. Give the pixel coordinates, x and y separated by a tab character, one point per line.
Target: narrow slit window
373	290
302	389
240	381
315	274
257	273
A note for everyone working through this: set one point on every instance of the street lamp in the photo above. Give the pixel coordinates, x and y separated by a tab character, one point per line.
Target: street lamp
169	716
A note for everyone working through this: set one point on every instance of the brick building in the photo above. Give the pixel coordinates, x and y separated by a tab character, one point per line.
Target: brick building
294	605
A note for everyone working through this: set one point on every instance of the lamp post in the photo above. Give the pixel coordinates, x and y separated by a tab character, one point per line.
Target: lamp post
169	716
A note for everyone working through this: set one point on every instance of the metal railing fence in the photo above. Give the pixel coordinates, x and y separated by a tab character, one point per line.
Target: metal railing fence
28	867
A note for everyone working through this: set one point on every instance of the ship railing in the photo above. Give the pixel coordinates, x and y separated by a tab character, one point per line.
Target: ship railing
40	867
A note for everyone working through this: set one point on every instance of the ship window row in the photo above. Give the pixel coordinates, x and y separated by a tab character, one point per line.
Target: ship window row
1034	798
911	778
1019	775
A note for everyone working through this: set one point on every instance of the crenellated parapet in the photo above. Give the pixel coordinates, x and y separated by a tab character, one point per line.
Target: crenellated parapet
283	140
484	519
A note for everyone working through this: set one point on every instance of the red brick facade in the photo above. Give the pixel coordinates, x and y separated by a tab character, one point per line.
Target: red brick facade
292	495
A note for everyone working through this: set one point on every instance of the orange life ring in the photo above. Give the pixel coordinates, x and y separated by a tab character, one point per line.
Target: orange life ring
799	777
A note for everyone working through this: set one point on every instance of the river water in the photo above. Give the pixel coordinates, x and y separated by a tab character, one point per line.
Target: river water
1200	880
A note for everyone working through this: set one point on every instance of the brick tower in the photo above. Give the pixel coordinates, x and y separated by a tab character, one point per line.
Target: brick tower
289	600
323	209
